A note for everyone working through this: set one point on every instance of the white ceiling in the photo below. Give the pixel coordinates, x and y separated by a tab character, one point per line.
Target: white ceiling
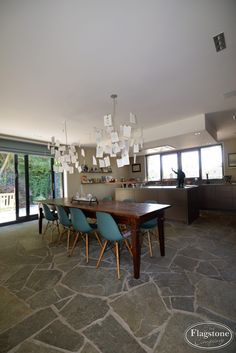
62	59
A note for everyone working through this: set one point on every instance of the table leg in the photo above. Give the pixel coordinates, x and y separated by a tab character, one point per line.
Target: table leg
40	220
135	248
160	222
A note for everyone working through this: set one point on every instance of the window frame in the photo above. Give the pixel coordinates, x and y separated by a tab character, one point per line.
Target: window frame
179	161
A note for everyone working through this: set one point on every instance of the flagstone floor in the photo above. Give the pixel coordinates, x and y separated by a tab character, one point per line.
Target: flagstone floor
51	303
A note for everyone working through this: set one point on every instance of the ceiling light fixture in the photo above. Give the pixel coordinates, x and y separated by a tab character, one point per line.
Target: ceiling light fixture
65	156
116	142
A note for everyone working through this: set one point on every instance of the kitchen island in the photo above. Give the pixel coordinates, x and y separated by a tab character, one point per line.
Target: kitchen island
184	201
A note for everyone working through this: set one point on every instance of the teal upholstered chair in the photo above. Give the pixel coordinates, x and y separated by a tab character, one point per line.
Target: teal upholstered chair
52	219
107	198
66	223
109	229
128	200
149	227
81	226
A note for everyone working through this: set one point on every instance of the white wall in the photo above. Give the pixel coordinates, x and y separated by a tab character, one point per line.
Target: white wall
99	190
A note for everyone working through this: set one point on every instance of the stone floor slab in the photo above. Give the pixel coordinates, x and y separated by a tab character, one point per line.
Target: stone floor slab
17	281
88	348
42	279
109	336
53	336
178	284
183	303
32	347
43	298
142	316
82	311
211	294
172	341
100	281
11	309
185	262
26	328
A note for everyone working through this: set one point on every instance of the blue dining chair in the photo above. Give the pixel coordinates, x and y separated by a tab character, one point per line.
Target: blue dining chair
52	219
66	223
107	198
149	228
109	229
128	200
81	226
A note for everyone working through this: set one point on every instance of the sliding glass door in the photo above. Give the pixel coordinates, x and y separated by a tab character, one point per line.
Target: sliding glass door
7	188
24	180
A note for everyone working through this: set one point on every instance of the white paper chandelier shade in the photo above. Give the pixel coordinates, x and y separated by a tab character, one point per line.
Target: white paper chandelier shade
116	142
65	156
111	142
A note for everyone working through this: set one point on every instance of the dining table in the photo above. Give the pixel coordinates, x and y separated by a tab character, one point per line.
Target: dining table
133	214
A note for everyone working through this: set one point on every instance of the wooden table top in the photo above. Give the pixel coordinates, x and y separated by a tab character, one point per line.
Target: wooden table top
116	208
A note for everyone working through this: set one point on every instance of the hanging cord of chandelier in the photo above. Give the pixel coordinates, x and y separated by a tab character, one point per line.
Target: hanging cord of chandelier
65	130
114	98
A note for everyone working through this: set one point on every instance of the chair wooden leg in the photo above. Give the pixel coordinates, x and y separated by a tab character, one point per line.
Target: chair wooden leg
73	246
68	240
117	259
101	253
58	227
149	243
45	230
98	239
127	244
87	246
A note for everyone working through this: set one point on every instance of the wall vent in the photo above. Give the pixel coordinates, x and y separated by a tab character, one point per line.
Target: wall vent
219	41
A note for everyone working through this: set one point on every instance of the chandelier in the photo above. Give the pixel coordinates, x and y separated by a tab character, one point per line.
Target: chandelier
65	156
119	142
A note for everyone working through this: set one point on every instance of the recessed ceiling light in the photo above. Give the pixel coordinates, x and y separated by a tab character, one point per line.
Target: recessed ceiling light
234	117
197	133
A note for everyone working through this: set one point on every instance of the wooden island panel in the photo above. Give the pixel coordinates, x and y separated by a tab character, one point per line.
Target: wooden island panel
184	202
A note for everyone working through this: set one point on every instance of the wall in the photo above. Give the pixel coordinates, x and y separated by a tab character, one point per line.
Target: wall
229	147
98	190
137	175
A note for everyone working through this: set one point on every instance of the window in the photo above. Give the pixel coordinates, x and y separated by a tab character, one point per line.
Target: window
153	167
169	161
190	164
211	160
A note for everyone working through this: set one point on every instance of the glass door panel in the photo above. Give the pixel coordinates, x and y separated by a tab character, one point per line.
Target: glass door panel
7	188
40	181
21	186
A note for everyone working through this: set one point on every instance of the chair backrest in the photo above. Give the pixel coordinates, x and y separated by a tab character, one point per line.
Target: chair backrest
108	227
107	198
47	213
150	201
153	222
79	220
63	217
128	200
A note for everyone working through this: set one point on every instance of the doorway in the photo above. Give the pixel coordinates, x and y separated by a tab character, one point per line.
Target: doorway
24	180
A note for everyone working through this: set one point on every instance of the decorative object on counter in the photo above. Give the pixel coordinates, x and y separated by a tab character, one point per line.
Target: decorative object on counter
116	141
180	177
65	156
232	160
207	176
136	167
88	198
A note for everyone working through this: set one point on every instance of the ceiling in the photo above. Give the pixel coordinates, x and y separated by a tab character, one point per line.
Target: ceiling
62	59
